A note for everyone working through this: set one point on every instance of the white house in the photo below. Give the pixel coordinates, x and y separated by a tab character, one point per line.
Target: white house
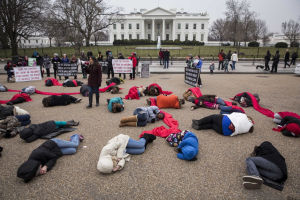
168	24
36	42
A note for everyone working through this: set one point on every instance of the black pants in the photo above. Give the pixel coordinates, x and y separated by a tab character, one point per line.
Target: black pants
55	71
48	72
267	67
221	63
110	70
209	122
93	90
132	75
199	80
274	67
16	101
124	76
293	62
286	63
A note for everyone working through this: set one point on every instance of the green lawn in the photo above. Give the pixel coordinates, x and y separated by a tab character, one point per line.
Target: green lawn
203	51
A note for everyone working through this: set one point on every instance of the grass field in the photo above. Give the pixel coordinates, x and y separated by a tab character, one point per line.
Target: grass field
203	51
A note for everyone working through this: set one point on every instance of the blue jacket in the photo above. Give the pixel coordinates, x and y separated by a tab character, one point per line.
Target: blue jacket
199	65
114	100
188	146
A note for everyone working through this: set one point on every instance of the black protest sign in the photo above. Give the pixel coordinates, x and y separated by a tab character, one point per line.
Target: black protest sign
145	72
191	76
67	69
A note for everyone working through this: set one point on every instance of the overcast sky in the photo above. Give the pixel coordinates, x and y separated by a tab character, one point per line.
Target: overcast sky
274	12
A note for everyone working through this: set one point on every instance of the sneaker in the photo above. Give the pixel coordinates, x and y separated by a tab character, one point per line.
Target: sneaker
253	179
251	186
81	138
78	100
89	106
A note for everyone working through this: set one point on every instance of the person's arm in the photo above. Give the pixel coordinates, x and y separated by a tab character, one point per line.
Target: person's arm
100	75
51	163
31	138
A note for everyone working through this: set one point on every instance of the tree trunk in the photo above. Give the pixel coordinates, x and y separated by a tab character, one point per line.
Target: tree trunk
14	47
50	39
87	41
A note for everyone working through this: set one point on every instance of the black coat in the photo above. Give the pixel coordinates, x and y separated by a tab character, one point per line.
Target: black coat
95	75
36	131
6	111
287	56
46	154
166	55
61	100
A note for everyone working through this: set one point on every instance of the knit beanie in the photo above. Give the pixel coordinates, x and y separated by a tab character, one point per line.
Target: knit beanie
105	165
28	169
189	152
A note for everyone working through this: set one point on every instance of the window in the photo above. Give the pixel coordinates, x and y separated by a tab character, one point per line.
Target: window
202	37
137	26
168	26
36	41
149	36
194	37
179	26
178	36
167	37
186	37
115	37
186	26
129	26
130	37
115	26
122	26
202	26
137	36
122	36
195	26
149	26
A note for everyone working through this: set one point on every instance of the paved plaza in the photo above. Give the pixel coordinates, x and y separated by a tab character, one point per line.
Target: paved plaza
158	173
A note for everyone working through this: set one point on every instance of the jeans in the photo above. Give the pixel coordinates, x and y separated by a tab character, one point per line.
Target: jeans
142	119
228	110
221	63
136	147
60	124
91	91
166	63
220	102
68	147
258	166
233	65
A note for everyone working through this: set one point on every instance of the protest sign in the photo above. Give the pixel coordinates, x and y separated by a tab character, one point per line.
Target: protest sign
67	69
122	66
191	76
31	62
23	74
145	72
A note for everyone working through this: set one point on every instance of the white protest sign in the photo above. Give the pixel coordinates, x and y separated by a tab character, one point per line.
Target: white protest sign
122	66
31	62
23	74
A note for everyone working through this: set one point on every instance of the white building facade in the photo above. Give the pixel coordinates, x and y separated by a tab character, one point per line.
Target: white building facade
168	24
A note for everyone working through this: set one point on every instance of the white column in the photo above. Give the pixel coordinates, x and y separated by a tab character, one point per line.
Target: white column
153	32
173	31
163	32
143	29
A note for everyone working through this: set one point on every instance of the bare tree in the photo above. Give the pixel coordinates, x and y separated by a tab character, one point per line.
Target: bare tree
100	36
3	37
247	24
19	18
259	30
291	30
217	30
87	17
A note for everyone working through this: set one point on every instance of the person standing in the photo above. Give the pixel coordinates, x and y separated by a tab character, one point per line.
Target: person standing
294	57
47	64
234	59
110	69
40	62
84	64
121	57
221	56
166	58
198	62
55	61
100	57
94	80
287	58
275	62
65	59
134	64
267	60
74	60
161	56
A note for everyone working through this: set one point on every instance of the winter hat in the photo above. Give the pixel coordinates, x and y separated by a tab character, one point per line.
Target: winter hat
28	170
20	111
189	152
26	133
105	165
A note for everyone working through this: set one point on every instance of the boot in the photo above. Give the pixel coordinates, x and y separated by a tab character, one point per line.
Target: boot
149	138
72	123
97	99
134	124
129	119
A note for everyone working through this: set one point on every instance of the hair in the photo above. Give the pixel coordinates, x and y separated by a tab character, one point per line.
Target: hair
160	113
94	59
46	101
251	129
181	101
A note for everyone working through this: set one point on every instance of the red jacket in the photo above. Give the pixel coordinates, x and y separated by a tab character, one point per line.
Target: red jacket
134	61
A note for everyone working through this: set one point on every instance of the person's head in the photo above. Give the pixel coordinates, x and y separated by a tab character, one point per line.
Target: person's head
117	107
55	54
99	53
221	50
73	56
160	115
115	90
64	55
181	101
268	52
93	60
197	57
29	169
287	50
46	101
235	52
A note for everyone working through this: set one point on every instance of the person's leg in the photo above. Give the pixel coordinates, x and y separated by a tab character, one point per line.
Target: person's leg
16	101
90	96
222	62
276	65
204	123
199	80
112	72
133	74
54	70
73	143
277	118
134	144
225	109
96	91
167	64
220	101
219	65
60	124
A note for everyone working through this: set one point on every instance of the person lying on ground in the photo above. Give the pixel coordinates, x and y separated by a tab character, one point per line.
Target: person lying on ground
163	101
72	83
47	130
142	116
192	92
61	100
115	104
227	125
115	80
12	125
266	165
114	154
288	126
188	147
19	98
3	88
154	90
43	158
136	92
8	110
245	100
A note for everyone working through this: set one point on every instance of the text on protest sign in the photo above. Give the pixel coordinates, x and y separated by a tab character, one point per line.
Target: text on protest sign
23	74
122	66
67	69
191	76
